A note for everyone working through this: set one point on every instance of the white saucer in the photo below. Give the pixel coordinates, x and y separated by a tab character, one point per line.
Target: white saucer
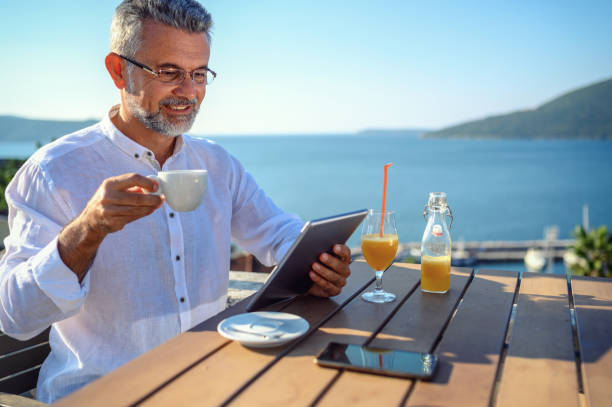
263	329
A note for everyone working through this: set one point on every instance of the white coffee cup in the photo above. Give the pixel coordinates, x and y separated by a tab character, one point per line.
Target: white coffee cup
183	189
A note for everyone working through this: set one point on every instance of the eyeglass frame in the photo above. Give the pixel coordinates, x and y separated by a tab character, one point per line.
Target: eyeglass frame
181	70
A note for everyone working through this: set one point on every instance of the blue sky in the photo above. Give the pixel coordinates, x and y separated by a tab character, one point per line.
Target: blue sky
324	66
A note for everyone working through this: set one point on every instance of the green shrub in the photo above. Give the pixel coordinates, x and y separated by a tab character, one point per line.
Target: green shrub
593	250
7	171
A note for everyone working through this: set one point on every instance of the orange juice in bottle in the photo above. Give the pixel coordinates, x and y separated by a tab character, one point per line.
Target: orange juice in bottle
435	274
436	246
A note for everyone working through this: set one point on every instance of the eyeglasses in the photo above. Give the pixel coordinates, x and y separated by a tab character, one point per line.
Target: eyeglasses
176	76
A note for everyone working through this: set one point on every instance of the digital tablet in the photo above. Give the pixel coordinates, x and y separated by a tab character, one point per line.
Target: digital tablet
290	277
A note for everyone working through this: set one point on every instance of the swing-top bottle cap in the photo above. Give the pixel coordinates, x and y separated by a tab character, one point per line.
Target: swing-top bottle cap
437	199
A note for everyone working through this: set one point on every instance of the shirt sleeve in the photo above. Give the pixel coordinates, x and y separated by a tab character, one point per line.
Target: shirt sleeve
36	287
258	224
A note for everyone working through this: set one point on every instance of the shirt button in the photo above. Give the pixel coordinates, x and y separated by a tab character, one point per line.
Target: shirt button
149	153
178	258
171	214
136	155
182	299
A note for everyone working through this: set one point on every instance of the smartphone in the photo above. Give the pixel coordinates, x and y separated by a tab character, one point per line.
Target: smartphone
386	362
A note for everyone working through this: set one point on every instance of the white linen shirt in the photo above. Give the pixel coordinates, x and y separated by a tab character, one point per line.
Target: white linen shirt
157	277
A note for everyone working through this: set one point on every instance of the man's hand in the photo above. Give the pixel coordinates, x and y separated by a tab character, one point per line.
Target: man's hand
330	274
117	202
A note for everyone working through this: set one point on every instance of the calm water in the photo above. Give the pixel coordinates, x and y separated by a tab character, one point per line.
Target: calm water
498	190
16	149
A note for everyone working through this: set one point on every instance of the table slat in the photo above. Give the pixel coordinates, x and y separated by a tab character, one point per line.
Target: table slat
593	304
296	379
540	367
415	327
219	376
470	349
360	389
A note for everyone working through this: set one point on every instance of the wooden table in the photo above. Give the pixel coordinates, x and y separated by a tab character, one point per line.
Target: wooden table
504	339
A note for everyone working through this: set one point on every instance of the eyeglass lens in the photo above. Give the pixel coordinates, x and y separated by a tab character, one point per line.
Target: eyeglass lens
200	76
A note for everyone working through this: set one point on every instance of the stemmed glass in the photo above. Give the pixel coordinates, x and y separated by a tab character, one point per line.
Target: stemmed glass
379	247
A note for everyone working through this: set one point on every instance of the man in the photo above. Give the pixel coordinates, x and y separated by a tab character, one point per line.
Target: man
111	267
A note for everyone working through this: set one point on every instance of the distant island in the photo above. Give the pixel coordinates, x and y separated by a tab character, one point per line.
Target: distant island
13	128
585	113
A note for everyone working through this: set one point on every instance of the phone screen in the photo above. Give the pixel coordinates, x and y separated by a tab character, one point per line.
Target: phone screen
382	361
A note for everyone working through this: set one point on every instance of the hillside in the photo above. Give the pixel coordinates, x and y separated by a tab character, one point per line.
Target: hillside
14	128
585	113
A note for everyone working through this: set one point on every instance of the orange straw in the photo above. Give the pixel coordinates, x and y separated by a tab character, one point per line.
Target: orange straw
382	216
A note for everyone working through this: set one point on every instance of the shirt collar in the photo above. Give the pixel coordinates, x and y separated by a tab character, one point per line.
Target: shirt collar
126	144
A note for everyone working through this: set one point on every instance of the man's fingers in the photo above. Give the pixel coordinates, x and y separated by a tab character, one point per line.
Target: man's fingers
126	190
343	252
125	181
119	201
128	198
333	277
335	264
330	275
114	217
323	287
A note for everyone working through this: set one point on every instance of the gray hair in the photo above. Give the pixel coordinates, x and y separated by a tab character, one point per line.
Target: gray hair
126	28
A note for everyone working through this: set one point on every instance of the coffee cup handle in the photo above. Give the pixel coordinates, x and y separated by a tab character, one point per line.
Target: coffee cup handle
159	187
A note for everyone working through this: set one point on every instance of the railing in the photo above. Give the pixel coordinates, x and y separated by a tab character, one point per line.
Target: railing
483	251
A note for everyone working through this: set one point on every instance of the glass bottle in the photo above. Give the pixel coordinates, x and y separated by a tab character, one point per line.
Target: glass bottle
436	245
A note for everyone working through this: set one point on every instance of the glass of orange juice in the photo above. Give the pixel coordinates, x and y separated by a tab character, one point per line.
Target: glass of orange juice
379	247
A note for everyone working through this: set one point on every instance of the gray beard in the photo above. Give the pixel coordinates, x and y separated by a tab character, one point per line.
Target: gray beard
160	123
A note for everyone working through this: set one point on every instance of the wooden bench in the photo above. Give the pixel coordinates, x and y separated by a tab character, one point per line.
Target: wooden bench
20	363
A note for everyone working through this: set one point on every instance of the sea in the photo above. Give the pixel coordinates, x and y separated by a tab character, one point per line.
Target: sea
497	189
